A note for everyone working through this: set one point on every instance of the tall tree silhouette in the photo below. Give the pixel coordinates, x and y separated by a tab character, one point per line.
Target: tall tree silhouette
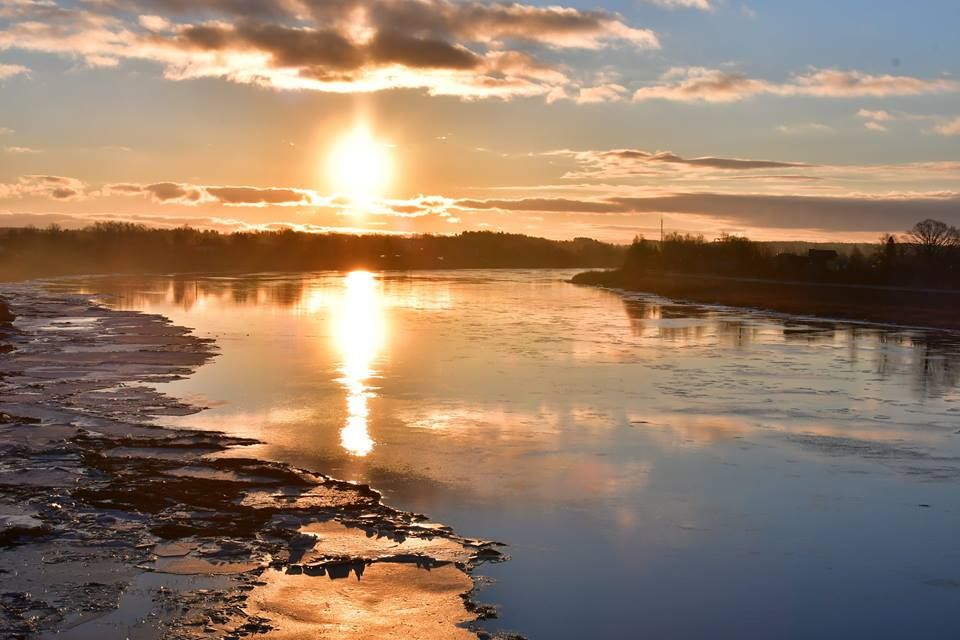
932	236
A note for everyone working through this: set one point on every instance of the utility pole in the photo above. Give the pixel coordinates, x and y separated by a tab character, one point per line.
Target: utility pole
661	229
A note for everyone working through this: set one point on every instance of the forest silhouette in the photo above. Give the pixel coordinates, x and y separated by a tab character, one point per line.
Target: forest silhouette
927	256
914	279
117	247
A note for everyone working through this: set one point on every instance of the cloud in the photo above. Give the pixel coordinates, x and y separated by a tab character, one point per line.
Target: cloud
162	192
79	221
707	161
257	196
949	128
804	128
5	131
706	193
8	219
619	163
226	225
875	119
877	116
855	84
53	187
623	171
610	92
554	205
10	70
21	150
879	120
466	49
189	194
425	211
840	214
692	84
173	192
699	84
703	5
124	189
176	193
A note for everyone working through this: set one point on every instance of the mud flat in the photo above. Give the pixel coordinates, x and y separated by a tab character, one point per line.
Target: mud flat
112	527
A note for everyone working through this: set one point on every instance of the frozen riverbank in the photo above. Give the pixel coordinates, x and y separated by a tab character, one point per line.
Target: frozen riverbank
111	526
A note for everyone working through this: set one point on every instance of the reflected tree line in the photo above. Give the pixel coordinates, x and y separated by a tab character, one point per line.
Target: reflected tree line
270	289
114	247
186	291
931	360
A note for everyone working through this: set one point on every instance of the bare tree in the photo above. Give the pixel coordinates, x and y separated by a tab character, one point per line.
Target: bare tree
932	235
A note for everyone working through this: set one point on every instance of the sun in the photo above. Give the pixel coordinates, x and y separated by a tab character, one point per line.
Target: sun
360	166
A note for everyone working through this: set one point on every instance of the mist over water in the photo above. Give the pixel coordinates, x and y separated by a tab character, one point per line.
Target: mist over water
667	469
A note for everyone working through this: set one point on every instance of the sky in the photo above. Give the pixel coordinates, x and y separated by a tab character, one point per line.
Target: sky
779	120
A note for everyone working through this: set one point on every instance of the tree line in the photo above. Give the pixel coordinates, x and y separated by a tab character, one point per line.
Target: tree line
927	256
120	247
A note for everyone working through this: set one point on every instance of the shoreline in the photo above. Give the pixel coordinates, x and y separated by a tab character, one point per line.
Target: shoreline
155	536
907	308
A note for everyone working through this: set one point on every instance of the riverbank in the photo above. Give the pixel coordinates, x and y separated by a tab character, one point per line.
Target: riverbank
886	305
112	526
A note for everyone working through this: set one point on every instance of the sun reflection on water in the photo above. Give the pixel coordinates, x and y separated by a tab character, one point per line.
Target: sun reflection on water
359	332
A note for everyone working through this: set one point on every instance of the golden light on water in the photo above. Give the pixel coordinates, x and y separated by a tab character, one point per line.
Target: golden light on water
359	331
360	166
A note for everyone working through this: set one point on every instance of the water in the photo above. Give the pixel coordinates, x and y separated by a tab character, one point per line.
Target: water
658	470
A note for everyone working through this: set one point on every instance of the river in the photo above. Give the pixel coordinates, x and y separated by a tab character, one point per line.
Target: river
657	469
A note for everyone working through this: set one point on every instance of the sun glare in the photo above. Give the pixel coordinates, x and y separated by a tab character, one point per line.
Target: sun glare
359	331
360	166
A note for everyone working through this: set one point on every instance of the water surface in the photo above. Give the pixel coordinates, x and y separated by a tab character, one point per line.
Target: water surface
659	470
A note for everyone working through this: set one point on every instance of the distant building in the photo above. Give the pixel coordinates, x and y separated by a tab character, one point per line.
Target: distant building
816	261
821	259
791	262
822	255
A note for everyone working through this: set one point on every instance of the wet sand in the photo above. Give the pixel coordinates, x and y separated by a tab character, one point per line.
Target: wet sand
114	527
